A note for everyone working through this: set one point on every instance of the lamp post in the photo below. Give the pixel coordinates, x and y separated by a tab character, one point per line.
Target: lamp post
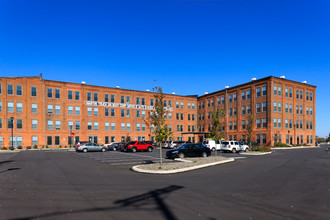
12	133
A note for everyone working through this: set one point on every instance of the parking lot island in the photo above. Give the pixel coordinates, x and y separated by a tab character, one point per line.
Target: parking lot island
181	165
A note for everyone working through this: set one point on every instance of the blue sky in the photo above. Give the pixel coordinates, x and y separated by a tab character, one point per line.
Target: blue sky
188	46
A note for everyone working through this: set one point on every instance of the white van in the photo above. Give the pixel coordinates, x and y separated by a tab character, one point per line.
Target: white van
213	145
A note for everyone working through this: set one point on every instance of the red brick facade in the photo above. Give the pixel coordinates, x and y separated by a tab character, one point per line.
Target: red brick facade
270	121
52	128
46	119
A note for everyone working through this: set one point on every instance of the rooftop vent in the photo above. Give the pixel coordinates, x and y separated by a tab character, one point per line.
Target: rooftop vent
147	90
117	87
173	93
82	82
206	93
282	77
227	87
254	79
304	82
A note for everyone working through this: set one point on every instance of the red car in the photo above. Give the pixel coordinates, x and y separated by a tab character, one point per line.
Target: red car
138	146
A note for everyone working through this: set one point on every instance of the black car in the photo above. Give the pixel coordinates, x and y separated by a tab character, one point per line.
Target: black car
189	150
114	146
154	144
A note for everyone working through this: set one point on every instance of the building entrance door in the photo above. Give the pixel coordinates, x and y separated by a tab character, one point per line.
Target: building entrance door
93	139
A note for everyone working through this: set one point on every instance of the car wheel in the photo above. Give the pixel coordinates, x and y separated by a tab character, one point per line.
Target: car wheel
114	149
204	154
103	149
85	150
213	149
247	149
181	155
234	151
134	149
149	149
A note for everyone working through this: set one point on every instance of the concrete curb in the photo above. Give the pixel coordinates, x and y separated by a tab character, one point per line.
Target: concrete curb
137	169
255	153
292	148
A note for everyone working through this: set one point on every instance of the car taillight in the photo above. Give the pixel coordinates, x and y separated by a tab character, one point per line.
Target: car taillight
208	145
228	146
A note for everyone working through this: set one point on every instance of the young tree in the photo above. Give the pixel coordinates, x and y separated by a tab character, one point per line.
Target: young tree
156	118
249	128
215	133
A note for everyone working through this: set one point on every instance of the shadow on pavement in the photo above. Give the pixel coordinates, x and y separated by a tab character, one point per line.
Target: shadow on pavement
136	202
6	161
10	169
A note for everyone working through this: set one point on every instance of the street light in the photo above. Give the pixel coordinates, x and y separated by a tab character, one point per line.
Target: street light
12	133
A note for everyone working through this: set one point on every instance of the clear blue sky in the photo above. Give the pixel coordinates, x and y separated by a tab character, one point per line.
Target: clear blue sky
188	46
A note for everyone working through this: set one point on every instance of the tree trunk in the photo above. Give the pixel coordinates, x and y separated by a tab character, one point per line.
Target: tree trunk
161	153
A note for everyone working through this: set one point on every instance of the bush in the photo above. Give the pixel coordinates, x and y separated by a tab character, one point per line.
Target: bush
11	148
46	146
4	148
277	144
60	146
261	148
28	148
35	147
19	147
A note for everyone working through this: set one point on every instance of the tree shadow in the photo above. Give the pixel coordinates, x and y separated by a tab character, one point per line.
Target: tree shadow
6	161
9	169
136	202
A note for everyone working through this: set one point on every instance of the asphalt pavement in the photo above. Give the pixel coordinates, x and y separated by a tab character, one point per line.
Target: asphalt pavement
287	184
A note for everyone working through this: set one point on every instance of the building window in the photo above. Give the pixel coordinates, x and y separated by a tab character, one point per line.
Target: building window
0	89
279	107
301	94
290	108
0	123
243	125
279	92
275	90
301	109
49	140
264	107
57	109
89	125
170	116
181	105
143	127
50	109
10	107
19	124
57	140
70	95
70	110
112	112
18	90
279	121
230	98
258	92
0	106
77	95
77	123
258	108
49	93
128	126
57	125
143	101
138	115
106	112
230	126
19	107
96	97
222	100
138	127
89	111
275	123
243	96
89	96
128	100
34	108
290	123
286	92
264	90
310	110
264	123
230	112
96	111
275	106
113	126
152	102
10	90
290	93
96	125
34	91
122	113
50	125
128	113
34	140
286	108
235	125
235	97
77	110
258	123
70	125
34	124
106	126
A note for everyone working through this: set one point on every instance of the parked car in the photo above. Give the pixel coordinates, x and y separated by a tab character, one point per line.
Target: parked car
154	144
243	146
113	146
213	145
137	146
230	146
90	147
80	143
189	150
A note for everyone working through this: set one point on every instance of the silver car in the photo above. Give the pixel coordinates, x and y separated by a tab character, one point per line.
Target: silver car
86	147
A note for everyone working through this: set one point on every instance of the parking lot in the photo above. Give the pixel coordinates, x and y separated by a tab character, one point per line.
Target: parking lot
118	158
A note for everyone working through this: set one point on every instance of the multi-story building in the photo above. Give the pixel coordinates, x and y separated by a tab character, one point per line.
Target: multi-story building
283	111
35	111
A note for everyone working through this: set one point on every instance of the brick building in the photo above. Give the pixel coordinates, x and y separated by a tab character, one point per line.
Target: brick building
44	112
35	111
284	111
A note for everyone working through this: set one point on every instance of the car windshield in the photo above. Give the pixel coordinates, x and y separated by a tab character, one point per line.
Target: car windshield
131	142
225	142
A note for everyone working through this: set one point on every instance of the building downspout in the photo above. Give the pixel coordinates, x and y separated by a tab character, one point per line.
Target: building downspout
44	104
272	129
226	113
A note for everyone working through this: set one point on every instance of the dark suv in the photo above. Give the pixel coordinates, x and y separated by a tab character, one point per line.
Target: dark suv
137	146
